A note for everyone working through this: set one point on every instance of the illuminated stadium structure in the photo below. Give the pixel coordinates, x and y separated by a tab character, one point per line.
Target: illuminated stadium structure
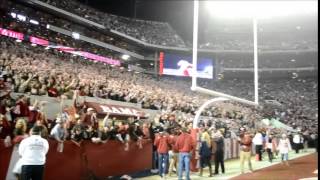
121	81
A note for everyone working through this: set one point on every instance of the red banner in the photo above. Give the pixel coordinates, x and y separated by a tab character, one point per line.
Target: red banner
99	58
39	41
13	34
43	42
116	110
161	56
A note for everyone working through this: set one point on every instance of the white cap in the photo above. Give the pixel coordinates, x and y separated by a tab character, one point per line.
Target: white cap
90	109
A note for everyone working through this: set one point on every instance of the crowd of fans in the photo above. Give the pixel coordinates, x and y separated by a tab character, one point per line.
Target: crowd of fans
31	70
232	42
157	33
160	33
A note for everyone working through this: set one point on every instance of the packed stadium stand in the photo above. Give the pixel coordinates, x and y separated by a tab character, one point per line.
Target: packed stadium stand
62	66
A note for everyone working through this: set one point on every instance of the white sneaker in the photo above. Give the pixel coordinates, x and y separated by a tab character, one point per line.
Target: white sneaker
154	171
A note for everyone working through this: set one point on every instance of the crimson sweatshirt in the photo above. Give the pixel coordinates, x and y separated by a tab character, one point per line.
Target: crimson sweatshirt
184	143
162	143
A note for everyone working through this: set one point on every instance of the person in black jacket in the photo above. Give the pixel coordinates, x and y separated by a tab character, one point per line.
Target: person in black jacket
219	155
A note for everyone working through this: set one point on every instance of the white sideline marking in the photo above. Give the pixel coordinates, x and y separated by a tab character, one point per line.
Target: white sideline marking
310	178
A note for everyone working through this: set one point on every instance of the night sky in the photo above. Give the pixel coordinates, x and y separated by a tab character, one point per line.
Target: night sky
179	13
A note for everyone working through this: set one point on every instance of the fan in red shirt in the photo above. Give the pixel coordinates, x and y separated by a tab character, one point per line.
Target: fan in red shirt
90	118
185	145
21	109
162	142
173	153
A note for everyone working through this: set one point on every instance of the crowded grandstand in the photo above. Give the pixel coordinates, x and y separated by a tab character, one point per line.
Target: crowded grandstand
92	80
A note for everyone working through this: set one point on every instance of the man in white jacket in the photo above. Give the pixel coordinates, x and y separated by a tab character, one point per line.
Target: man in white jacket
284	147
33	152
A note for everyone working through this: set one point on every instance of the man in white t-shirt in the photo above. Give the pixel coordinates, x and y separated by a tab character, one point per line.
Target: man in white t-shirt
33	152
258	142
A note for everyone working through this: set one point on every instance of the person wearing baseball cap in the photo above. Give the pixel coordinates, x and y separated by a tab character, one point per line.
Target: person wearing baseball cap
58	131
90	118
284	147
162	142
185	145
245	141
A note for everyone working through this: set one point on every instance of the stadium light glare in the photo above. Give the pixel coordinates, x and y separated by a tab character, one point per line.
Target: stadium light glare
34	22
125	57
14	15
21	17
75	35
260	9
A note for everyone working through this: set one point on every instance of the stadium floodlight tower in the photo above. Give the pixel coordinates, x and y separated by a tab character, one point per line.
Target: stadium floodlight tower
241	9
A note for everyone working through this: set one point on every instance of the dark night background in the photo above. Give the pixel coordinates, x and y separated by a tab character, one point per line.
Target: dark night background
178	13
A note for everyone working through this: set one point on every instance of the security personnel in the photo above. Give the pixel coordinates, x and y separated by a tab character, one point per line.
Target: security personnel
33	152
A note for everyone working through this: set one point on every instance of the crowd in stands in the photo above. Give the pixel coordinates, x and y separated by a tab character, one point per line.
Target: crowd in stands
157	33
271	61
265	44
57	38
31	70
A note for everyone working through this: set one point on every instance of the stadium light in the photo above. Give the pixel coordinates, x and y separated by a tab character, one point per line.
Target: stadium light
75	35
125	57
34	22
14	15
21	17
260	9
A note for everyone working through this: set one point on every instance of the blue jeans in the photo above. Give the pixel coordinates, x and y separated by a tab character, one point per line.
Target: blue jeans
284	157
184	163
163	163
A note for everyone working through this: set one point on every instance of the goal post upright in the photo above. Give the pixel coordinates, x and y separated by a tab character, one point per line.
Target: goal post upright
255	60
219	96
195	44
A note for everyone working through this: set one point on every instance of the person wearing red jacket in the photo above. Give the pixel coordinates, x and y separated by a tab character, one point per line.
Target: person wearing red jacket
162	142
185	145
173	153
